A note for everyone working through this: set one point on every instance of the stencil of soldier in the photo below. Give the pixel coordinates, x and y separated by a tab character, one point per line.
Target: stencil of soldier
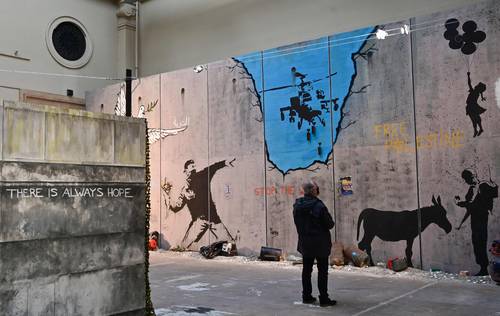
478	202
196	194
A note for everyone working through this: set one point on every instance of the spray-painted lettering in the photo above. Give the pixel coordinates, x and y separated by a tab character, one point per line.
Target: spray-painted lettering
69	192
397	138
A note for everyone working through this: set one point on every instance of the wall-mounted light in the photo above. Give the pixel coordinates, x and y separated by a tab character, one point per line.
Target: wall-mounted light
198	69
405	29
381	34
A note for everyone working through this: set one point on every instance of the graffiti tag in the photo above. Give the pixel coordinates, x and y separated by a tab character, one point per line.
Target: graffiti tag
278	190
397	138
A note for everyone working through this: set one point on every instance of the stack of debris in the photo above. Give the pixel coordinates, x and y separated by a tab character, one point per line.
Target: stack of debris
494	267
343	255
219	248
270	254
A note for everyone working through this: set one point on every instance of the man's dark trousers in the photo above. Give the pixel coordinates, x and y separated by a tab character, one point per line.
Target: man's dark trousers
307	267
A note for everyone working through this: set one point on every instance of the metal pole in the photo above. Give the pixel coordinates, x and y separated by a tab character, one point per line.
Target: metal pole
128	92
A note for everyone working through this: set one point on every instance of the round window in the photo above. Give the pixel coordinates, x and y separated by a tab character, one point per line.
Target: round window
68	42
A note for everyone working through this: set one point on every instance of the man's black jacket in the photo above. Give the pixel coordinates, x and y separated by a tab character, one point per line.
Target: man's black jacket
313	224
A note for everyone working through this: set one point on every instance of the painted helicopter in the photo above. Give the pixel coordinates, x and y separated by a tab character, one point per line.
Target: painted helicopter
299	108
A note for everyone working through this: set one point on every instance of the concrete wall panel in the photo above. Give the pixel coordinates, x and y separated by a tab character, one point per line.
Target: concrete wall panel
129	149
68	173
65	143
375	145
76	210
146	102
236	112
26	128
71	227
41	257
90	293
298	132
103	100
184	98
442	94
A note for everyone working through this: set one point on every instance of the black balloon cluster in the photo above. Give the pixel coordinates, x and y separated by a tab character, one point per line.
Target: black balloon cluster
467	41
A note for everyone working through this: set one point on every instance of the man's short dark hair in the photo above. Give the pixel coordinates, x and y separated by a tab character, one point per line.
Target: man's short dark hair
189	162
309	187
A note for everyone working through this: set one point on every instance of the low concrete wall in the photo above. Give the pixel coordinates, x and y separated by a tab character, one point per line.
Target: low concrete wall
72	212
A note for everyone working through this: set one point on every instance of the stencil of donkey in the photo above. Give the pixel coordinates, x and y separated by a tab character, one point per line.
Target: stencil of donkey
396	226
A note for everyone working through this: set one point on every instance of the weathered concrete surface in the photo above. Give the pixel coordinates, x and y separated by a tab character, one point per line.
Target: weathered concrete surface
146	93
71	234
376	144
12	171
233	111
51	134
404	138
181	284
183	95
440	100
27	130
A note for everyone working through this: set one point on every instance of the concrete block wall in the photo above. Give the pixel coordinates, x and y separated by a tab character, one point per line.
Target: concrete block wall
72	212
390	114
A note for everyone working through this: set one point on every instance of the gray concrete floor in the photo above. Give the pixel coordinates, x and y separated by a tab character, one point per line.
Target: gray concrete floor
182	285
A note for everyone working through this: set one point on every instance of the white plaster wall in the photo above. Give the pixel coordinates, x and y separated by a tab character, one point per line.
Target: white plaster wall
176	34
24	24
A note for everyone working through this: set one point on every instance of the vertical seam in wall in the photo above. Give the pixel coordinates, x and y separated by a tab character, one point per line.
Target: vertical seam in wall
419	214
331	135
28	298
264	143
208	159
1	172
54	298
159	189
45	136
3	130
113	141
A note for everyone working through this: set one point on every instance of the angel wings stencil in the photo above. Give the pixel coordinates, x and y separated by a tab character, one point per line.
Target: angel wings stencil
154	134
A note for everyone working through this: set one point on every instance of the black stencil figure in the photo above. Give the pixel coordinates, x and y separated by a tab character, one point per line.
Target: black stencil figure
473	109
335	104
300	107
478	202
396	226
466	42
196	194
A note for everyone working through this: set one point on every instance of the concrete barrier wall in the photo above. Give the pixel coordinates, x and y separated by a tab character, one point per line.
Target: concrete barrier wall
387	118
72	212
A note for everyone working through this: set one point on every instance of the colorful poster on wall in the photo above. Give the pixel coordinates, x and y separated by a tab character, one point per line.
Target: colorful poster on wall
346	186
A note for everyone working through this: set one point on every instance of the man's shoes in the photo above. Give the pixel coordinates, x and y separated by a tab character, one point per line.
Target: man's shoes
309	300
327	302
482	272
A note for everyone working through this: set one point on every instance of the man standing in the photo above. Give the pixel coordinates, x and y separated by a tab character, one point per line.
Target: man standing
313	222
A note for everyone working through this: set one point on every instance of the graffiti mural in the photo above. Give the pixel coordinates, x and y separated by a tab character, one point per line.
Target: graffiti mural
399	116
403	225
194	195
301	86
478	202
154	134
467	43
